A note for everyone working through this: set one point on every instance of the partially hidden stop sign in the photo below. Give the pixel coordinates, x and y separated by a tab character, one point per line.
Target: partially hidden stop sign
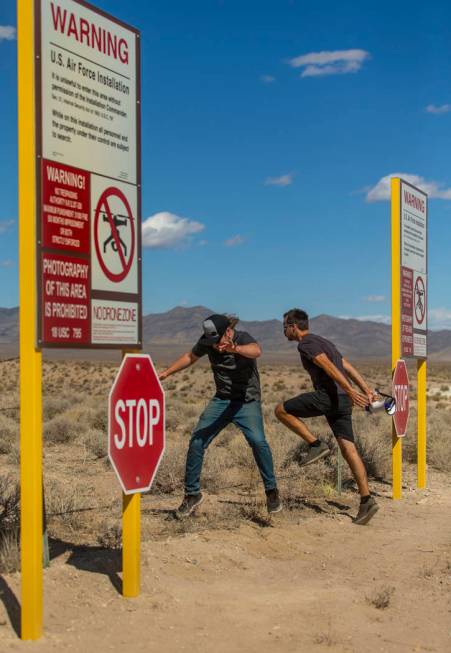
401	395
136	419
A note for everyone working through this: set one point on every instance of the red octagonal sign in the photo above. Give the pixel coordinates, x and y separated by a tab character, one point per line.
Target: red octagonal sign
136	434
401	395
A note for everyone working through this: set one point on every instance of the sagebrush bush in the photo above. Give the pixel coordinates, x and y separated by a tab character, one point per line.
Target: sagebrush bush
438	437
9	524
96	442
61	430
9	433
55	405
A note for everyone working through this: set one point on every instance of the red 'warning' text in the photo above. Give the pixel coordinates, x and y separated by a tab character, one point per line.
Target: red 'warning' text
94	36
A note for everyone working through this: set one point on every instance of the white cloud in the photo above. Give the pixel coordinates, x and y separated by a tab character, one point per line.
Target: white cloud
382	190
438	110
267	79
5	225
327	62
375	298
166	230
7	263
7	33
439	318
234	241
283	180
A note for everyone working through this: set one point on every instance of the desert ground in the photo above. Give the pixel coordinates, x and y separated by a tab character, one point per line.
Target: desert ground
230	578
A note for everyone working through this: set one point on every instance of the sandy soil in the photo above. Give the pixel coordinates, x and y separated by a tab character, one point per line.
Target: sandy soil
311	584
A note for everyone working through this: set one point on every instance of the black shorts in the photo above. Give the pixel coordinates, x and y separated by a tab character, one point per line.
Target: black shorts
337	409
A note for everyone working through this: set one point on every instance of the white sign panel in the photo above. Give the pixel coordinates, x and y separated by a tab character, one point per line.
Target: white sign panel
413	228
88	90
114	235
114	321
414	264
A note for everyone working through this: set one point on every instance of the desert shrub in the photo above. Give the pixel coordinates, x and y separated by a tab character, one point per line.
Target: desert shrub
53	406
63	503
60	430
216	470
10	553
438	440
110	535
9	524
96	442
9	433
98	418
373	441
171	472
381	598
9	504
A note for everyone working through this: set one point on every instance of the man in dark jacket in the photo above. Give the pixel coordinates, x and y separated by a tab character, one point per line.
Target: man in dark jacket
232	356
333	397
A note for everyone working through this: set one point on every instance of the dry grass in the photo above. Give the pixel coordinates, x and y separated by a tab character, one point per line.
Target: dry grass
381	598
9	524
82	494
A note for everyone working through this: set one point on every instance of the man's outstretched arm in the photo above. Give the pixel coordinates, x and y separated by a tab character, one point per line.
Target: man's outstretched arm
180	364
251	350
323	361
358	379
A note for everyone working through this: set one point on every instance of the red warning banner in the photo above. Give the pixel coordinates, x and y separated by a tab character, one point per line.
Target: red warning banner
65	207
66	299
406	312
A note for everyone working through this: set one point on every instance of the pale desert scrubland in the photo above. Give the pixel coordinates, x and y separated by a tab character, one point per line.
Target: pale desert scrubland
231	534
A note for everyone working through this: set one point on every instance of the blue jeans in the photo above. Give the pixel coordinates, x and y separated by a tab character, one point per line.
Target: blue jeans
216	416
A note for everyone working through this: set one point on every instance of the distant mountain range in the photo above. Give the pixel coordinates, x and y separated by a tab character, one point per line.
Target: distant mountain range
182	326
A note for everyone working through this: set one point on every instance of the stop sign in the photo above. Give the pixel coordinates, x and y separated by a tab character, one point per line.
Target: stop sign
136	434
401	395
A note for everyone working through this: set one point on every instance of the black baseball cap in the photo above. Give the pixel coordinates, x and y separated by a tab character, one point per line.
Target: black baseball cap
214	328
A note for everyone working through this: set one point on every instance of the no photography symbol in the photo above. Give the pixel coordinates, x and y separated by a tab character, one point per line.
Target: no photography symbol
115	252
420	300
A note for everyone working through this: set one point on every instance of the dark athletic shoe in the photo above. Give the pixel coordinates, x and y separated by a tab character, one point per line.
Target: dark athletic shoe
315	453
273	502
366	511
188	505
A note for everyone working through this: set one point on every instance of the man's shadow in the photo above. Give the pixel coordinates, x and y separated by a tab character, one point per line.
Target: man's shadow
12	605
93	559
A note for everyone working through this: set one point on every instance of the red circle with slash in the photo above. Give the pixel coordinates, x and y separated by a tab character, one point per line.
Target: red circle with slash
420	290
103	206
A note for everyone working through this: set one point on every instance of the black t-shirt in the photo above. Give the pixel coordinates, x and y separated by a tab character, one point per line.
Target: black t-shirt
311	346
236	377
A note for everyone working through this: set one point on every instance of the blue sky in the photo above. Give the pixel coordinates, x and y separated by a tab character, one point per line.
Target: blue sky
268	126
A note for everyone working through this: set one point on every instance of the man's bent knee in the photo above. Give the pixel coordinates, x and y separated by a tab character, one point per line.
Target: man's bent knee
279	411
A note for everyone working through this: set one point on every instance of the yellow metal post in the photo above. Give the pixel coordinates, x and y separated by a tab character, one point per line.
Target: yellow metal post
421	439
396	323
131	544
30	357
131	538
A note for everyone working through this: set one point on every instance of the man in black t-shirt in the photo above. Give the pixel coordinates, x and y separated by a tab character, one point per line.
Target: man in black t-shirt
232	356
334	397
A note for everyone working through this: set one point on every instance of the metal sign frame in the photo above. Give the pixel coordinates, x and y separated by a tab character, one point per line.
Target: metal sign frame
405	353
40	249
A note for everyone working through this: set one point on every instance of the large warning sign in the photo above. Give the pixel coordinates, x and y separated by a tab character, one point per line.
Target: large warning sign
88	164
414	213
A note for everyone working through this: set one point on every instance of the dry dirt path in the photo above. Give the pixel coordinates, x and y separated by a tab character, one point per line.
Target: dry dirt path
315	584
